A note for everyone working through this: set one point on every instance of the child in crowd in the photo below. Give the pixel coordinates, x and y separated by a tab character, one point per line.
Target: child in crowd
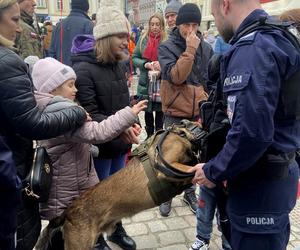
73	166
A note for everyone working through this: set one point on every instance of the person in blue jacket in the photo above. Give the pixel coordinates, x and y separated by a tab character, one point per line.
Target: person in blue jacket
260	76
220	46
77	22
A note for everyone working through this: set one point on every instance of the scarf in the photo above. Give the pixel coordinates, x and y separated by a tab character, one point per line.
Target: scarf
151	50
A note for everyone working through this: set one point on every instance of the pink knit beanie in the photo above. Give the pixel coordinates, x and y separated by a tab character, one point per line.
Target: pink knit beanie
48	74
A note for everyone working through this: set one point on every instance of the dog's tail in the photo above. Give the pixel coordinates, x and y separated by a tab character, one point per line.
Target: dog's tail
51	236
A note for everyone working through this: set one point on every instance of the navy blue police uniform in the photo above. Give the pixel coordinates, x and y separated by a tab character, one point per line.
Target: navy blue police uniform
258	158
10	197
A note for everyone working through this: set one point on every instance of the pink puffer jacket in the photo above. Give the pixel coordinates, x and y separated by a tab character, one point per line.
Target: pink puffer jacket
74	170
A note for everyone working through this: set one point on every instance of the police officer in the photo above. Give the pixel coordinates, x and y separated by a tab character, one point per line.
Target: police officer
260	76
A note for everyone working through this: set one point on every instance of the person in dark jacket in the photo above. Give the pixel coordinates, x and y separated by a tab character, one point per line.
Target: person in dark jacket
260	81
145	58
21	120
10	196
293	15
77	22
184	60
102	91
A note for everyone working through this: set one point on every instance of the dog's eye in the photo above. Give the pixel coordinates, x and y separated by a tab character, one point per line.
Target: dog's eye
182	134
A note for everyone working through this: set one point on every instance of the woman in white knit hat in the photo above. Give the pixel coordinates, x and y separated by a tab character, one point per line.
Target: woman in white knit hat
73	170
102	91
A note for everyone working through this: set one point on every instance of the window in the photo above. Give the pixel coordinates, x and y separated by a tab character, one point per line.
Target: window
41	4
59	5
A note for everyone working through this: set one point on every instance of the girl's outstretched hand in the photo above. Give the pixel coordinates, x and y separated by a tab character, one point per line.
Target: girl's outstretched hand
140	106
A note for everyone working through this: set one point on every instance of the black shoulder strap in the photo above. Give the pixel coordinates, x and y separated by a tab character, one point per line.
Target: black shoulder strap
266	23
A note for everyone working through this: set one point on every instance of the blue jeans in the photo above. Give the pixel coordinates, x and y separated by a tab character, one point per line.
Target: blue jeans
205	214
107	167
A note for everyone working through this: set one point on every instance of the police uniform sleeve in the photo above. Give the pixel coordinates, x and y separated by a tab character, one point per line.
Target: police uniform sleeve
252	84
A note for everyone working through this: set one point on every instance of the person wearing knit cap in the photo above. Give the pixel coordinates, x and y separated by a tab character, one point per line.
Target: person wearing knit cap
188	69
55	90
189	13
76	23
184	59
80	5
171	12
48	74
110	24
102	91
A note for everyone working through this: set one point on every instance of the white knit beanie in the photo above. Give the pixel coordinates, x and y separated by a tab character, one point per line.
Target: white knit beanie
48	74
110	20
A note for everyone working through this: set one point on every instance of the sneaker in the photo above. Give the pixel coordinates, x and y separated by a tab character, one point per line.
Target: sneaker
199	245
165	208
191	200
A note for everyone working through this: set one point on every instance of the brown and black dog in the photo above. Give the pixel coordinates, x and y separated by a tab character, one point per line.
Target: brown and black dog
127	192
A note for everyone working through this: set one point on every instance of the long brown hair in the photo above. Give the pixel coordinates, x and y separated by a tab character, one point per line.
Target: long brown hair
104	53
4	5
291	15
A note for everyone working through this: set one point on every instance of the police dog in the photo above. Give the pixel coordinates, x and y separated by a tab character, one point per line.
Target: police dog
129	191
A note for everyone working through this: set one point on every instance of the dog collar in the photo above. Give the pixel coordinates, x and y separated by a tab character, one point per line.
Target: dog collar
164	167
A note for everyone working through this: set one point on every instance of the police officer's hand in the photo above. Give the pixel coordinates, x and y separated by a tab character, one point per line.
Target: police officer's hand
192	40
200	177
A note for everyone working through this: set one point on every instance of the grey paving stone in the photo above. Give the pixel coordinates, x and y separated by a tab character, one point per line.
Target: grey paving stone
135	229
171	237
183	211
191	219
126	220
157	226
146	242
174	247
190	233
144	216
176	223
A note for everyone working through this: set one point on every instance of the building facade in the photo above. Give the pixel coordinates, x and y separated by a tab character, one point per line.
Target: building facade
133	10
273	7
58	9
147	9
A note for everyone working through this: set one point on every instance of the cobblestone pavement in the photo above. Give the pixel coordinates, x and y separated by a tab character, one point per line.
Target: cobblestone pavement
177	232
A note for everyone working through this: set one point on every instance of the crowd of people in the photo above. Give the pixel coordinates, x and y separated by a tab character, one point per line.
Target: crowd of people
67	87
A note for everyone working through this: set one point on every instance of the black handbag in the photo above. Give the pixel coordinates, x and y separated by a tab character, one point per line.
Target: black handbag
38	182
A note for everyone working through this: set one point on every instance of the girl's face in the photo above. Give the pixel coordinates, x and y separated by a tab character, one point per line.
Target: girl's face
118	44
9	22
66	90
155	26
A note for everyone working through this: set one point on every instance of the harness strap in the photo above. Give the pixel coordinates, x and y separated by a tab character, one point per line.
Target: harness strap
165	167
160	189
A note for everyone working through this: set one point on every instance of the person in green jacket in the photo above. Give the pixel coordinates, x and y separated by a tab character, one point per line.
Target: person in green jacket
28	42
145	58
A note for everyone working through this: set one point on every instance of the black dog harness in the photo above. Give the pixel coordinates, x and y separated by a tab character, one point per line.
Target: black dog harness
162	189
